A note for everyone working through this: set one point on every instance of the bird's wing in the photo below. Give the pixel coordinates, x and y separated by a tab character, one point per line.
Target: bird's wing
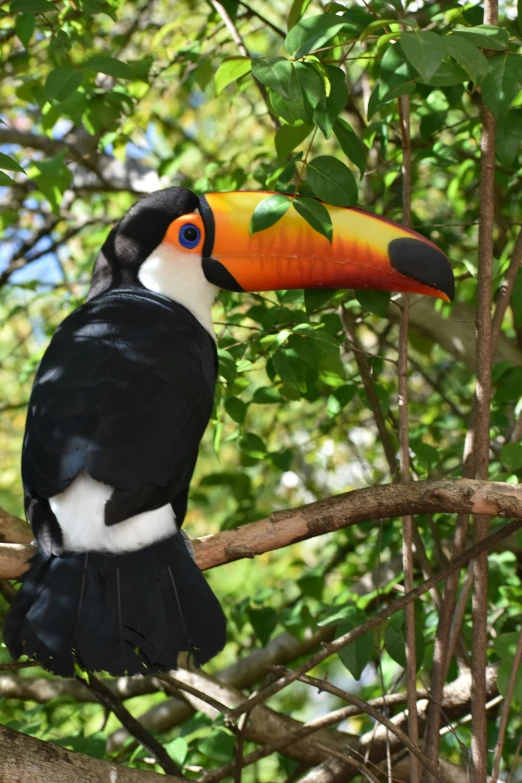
123	393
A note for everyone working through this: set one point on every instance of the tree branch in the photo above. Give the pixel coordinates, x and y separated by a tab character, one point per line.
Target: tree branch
282	528
25	760
485	545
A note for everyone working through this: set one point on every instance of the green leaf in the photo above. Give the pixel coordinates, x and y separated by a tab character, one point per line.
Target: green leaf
5	181
219	745
330	107
282	459
289	366
236	409
376	302
62	82
290	111
252	445
508	137
502	83
288	137
427	455
510	387
230	70
432	122
313	33
339	398
395	640
227	365
278	74
487	36
447	75
360	652
32	6
312	583
504	674
468	56
54	179
312	84
269	211
326	342
264	622
424	50
177	750
102	63
511	456
24	28
350	144
9	164
332	181
266	395
316	214
314	298
297	10
396	78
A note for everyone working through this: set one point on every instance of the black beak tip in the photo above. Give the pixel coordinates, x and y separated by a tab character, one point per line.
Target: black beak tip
422	262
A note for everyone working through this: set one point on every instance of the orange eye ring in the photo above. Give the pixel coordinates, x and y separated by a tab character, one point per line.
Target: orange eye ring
187	233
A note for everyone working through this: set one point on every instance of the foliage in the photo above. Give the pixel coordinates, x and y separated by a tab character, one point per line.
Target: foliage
103	100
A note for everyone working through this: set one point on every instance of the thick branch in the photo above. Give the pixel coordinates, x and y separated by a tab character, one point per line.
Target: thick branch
282	528
25	760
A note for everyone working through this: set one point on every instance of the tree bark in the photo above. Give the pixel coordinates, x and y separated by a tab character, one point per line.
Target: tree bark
282	528
25	759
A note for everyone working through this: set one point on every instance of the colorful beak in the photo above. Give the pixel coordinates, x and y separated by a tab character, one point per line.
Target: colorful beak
367	251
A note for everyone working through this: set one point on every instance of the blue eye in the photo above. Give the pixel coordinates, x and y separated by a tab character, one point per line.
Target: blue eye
189	236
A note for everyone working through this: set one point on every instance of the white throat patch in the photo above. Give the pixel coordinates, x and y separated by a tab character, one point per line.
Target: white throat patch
179	276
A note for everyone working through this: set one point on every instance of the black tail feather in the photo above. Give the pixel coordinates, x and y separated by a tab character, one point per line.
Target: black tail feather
125	614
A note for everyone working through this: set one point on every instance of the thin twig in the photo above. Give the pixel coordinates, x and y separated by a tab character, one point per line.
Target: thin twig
364	370
514	765
267	22
236	37
413	747
363	769
394	606
134	727
179	685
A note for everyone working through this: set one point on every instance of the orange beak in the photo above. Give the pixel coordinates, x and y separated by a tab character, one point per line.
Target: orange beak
366	251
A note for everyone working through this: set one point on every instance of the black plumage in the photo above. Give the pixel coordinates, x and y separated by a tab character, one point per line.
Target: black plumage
123	394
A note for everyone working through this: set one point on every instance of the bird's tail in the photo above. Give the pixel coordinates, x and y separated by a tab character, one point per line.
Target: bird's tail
125	614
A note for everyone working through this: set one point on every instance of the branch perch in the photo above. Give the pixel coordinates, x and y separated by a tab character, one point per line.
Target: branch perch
282	528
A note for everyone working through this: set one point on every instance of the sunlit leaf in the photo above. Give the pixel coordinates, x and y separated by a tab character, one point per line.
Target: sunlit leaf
288	137
332	181
230	70
111	66
269	211
316	214
312	33
9	164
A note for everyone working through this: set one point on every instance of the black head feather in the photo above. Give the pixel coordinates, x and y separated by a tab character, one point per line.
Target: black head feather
136	236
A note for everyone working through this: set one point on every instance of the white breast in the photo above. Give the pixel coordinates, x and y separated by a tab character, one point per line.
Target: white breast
80	514
180	276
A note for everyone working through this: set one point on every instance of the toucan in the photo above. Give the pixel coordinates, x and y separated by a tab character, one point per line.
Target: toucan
121	400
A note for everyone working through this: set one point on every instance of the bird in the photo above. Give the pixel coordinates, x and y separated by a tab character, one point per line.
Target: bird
121	400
